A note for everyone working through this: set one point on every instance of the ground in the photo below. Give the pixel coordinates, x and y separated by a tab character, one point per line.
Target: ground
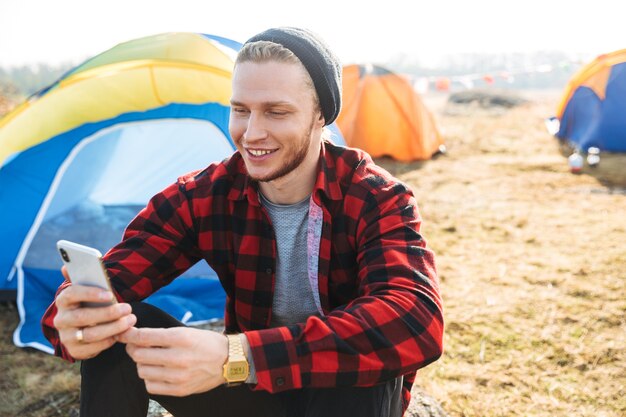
532	264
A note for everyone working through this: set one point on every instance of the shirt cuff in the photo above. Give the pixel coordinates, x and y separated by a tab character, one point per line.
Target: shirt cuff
246	348
275	359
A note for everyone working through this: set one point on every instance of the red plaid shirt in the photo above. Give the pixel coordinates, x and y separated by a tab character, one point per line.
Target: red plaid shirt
381	309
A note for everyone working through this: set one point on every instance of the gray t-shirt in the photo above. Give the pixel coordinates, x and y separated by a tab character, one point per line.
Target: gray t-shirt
293	298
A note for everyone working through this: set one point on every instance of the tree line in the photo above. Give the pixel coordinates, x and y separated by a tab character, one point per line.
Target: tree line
23	81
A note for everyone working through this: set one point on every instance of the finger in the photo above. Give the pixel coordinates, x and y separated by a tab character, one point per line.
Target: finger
148	337
91	316
74	295
157	373
82	351
162	380
171	358
108	330
129	336
165	388
119	326
69	339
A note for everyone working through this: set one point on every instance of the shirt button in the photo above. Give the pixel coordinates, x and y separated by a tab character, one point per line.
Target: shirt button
268	271
280	381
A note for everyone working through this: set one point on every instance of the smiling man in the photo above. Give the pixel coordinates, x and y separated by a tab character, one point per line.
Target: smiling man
277	125
332	296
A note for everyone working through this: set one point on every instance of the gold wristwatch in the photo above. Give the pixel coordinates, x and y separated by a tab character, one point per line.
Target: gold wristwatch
236	368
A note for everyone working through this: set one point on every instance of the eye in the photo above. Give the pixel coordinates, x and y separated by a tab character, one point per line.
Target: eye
277	113
238	110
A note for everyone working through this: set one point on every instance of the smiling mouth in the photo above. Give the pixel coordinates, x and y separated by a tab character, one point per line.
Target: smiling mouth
261	152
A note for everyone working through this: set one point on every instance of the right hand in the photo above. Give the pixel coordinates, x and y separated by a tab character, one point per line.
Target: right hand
100	325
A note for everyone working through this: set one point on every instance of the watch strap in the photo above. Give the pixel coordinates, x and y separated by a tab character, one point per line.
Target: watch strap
236	360
235	347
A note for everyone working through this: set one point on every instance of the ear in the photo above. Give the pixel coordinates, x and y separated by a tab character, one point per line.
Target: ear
321	119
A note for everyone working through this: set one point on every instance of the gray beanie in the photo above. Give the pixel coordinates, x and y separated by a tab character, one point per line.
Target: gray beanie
321	64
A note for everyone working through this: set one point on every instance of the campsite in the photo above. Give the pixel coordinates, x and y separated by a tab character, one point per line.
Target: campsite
530	255
531	261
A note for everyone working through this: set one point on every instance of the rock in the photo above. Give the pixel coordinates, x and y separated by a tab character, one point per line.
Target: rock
423	405
155	410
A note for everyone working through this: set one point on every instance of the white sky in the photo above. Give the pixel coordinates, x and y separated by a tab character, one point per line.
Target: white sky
55	31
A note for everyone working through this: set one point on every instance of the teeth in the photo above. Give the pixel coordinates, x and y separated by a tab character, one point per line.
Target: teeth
256	152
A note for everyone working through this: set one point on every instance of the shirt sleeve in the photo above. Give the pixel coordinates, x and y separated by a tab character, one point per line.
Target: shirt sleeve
50	332
252	370
157	246
393	327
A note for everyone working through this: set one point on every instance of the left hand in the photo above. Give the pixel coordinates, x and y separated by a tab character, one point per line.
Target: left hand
177	361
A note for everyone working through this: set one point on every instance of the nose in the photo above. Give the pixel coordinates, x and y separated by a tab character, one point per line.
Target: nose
255	128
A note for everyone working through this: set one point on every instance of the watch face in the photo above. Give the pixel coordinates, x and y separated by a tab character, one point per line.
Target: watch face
236	371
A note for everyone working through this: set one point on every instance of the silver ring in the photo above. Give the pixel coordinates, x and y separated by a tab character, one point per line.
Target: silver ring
79	335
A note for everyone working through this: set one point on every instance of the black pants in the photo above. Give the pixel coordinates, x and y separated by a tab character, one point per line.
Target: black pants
110	386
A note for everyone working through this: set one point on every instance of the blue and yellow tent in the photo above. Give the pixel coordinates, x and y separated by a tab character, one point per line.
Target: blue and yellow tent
79	159
592	112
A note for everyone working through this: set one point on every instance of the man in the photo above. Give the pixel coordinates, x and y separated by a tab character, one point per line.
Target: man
332	297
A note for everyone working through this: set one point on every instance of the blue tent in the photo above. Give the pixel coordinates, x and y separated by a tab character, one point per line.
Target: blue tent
592	112
81	158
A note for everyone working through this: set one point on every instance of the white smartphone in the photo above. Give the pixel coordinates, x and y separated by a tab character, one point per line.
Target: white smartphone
84	266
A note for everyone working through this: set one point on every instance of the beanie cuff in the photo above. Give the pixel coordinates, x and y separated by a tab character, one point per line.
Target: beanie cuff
319	61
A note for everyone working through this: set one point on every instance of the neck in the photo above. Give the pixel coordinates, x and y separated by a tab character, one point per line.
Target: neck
296	185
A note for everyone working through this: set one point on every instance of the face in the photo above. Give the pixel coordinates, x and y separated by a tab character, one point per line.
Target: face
274	121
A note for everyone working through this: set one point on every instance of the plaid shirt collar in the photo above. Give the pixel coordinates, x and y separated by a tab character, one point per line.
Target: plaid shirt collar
326	184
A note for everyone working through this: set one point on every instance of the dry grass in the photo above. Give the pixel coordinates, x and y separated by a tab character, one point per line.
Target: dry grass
32	383
533	268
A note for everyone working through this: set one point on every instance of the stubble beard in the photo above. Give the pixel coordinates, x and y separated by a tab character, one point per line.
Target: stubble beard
294	163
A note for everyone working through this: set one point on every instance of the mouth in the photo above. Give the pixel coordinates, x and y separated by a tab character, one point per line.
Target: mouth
260	153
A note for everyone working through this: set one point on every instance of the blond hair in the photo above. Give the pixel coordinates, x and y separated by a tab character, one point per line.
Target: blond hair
265	51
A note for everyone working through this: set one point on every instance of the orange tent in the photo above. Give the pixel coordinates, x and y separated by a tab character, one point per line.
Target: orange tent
383	115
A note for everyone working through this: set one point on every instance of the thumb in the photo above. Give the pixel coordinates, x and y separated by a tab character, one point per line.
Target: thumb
65	274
